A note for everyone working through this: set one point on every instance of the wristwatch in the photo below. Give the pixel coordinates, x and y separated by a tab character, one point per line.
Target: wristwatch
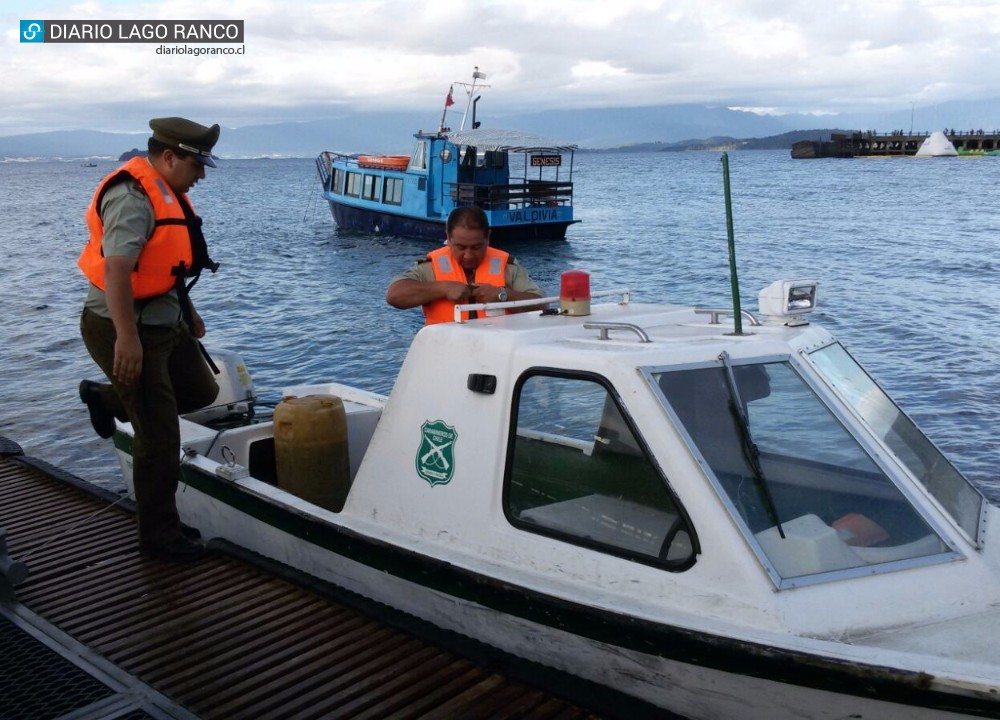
502	295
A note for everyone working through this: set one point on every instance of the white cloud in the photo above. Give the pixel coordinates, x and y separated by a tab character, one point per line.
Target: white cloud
784	55
586	70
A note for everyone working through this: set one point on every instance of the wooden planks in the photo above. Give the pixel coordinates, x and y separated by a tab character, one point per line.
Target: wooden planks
224	638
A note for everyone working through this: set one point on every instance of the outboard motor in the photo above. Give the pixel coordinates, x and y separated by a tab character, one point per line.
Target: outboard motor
236	393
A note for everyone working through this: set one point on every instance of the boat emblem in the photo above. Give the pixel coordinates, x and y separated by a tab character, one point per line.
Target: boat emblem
436	454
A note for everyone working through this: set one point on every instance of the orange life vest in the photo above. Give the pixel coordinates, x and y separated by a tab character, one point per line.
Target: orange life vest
491	271
159	264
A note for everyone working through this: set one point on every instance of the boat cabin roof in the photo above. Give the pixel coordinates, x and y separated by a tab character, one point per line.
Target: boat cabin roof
494	139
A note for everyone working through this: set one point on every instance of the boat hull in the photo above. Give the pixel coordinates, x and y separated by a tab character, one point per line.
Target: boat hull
685	671
349	217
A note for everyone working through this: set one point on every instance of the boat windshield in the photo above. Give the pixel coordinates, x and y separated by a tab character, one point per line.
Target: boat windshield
911	447
829	506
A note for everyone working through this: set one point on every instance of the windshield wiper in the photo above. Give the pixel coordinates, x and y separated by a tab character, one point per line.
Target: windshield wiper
750	450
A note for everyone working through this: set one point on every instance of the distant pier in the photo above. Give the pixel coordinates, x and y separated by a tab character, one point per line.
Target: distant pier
894	144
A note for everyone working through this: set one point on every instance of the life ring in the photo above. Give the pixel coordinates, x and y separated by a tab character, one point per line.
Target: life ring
384	162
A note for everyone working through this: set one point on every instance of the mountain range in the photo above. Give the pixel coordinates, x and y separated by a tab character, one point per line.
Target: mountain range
602	128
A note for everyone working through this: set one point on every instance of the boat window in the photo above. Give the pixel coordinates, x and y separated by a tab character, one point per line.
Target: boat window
808	495
495	159
369	189
353	184
392	193
337	181
578	472
418	160
469	158
910	446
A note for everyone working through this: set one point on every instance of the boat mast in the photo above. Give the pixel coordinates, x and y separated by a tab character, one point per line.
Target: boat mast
470	91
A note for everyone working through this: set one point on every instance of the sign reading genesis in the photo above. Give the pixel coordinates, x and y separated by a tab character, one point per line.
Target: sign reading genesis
132	31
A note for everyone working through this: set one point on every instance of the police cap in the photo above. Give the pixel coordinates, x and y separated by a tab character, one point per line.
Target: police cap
186	135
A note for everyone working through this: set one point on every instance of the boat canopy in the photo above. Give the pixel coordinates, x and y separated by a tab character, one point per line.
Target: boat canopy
493	139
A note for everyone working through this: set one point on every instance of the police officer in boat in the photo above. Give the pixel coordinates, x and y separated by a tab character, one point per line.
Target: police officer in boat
465	270
145	251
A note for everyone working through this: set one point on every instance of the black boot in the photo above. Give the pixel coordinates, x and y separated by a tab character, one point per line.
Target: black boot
100	417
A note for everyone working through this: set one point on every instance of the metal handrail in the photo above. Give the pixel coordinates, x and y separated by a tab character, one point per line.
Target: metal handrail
459	309
606	327
717	313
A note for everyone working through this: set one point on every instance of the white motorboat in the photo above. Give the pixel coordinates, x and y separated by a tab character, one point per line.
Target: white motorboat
722	525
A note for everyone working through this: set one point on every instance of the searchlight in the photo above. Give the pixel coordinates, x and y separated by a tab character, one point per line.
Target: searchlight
788	300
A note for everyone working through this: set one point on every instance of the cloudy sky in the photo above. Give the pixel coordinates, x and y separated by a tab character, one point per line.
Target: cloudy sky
309	60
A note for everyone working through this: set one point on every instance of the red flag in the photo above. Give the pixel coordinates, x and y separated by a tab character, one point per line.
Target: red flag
448	102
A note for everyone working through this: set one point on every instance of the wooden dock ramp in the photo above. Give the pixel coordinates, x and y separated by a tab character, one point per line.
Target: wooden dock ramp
234	636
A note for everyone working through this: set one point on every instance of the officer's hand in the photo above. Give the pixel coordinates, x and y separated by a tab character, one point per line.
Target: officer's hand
455	292
485	293
128	359
198	325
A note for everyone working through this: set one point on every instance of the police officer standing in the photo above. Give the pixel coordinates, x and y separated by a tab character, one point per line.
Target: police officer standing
145	250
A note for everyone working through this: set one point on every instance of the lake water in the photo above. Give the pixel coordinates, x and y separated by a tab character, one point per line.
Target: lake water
907	252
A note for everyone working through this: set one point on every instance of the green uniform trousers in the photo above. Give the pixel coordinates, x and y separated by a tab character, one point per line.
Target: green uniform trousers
175	379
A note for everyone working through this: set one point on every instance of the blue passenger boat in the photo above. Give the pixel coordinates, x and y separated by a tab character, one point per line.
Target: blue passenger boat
523	182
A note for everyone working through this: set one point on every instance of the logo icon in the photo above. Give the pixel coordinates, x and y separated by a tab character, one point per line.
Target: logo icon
436	454
32	31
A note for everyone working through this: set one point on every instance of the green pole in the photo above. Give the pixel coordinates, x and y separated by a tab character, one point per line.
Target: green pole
733	279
